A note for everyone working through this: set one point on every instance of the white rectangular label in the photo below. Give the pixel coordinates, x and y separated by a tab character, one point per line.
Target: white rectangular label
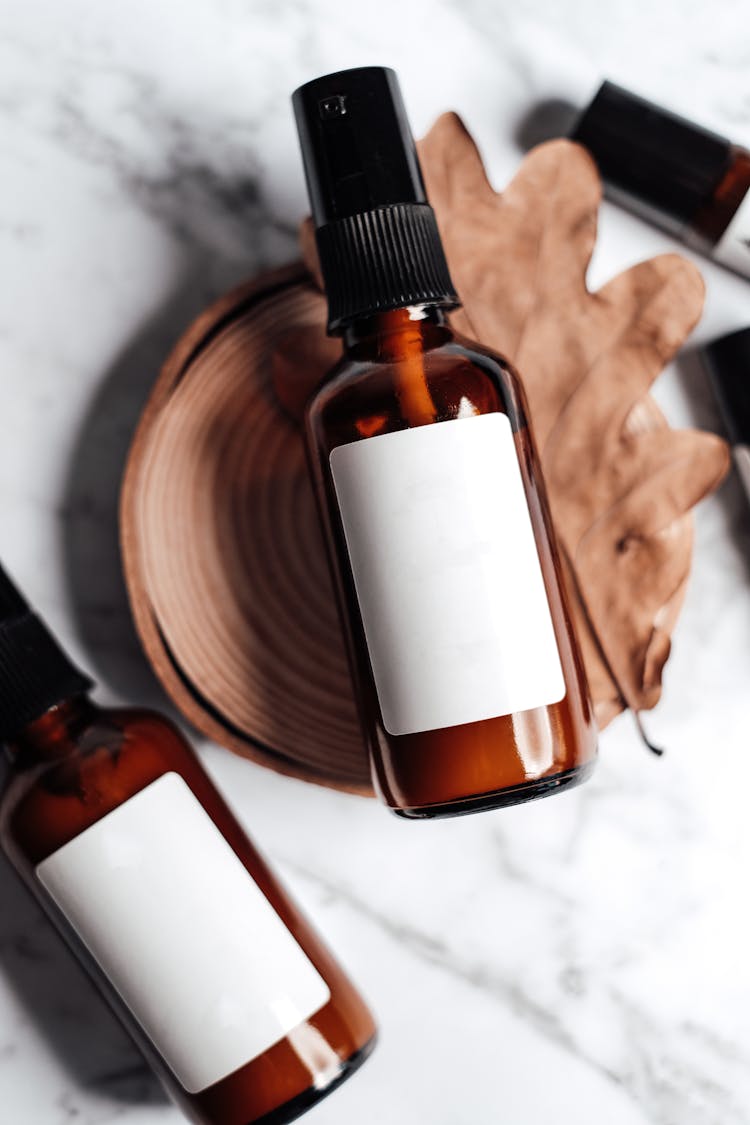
184	934
447	574
733	248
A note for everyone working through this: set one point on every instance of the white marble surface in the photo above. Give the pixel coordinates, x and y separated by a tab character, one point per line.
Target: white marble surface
583	959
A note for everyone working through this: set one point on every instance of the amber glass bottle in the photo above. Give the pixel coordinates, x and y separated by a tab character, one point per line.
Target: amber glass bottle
112	822
470	688
692	182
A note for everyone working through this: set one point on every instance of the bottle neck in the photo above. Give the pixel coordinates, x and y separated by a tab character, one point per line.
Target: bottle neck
382	335
55	734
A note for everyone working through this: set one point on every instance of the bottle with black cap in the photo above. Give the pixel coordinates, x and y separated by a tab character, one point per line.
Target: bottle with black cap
112	822
682	177
470	689
727	360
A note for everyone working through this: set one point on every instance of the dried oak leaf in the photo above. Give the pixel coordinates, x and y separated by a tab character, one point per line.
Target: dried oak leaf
620	482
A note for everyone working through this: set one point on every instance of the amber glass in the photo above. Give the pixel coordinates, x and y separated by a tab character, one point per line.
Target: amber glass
78	763
714	216
402	369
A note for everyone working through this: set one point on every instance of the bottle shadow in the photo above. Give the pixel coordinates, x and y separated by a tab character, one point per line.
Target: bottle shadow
44	977
545	121
46	982
90	496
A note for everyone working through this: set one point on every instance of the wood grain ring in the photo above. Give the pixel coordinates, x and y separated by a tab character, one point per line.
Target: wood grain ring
222	553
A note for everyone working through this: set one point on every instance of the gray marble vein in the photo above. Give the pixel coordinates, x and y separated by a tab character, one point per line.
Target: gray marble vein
581	960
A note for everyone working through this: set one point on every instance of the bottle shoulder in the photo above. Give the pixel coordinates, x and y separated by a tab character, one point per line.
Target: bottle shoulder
365	395
54	794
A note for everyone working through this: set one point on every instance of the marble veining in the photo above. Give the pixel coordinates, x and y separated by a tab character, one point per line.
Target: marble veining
578	960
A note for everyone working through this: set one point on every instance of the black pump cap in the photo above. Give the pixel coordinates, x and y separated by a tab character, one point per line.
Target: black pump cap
35	673
658	164
727	361
377	236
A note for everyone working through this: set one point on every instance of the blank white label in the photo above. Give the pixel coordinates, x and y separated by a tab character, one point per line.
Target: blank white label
447	574
184	934
733	248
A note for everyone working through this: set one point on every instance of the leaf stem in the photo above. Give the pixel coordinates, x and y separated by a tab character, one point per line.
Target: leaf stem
658	750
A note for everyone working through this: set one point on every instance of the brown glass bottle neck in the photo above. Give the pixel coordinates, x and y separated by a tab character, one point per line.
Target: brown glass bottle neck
383	335
713	217
55	734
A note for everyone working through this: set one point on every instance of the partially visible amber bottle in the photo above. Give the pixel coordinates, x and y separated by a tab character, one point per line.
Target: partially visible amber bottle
684	178
470	688
112	822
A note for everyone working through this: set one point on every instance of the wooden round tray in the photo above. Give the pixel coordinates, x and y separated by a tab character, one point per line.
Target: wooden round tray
223	556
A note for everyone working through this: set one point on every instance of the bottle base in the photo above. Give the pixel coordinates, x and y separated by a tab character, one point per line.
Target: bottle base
501	798
295	1107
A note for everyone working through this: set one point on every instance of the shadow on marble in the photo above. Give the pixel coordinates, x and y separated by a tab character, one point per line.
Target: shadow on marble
40	971
91	488
61	1002
545	121
704	413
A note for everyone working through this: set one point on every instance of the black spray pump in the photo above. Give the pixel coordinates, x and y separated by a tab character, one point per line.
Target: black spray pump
377	236
35	673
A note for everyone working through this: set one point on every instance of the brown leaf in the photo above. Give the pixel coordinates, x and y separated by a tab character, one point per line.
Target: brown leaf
620	482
